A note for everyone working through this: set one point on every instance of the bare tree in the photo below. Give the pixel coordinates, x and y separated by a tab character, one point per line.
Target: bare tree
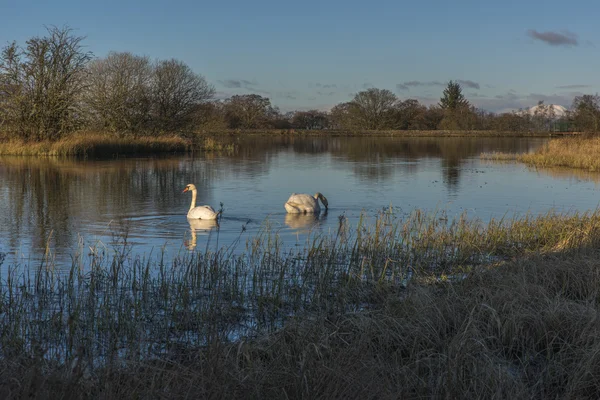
409	114
341	117
248	111
543	116
41	84
118	96
586	112
209	115
177	91
373	108
13	105
312	119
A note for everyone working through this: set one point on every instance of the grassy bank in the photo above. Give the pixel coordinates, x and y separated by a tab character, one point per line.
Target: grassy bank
395	307
84	144
575	152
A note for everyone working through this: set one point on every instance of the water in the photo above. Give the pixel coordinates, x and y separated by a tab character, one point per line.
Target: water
66	205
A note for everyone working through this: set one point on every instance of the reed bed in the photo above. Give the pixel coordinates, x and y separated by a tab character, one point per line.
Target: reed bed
573	152
412	306
85	144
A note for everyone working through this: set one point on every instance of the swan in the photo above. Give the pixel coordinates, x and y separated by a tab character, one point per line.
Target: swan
200	212
305	203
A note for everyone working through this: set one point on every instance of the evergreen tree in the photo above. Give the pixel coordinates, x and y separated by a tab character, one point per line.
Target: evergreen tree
453	98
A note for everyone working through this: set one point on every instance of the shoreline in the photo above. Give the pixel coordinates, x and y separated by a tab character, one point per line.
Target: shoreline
107	145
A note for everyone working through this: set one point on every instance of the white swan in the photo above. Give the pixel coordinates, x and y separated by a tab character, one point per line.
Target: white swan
200	212
305	203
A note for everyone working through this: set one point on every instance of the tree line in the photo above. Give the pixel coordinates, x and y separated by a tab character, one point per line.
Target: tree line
52	86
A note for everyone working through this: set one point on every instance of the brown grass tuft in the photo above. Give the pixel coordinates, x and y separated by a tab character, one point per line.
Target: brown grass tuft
573	152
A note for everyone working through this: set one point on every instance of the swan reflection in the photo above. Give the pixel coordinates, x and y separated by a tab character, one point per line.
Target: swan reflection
304	223
199	227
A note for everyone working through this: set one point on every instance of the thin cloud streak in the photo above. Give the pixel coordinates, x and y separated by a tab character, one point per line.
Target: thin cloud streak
554	38
573	86
404	86
237	83
469	84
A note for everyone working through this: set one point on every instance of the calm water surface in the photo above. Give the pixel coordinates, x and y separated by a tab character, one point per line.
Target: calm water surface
74	205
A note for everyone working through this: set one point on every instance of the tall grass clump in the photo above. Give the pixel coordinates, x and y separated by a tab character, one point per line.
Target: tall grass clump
367	311
567	152
573	152
212	144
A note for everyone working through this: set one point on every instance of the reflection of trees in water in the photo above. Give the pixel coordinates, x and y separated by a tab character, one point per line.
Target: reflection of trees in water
451	173
52	195
37	197
374	158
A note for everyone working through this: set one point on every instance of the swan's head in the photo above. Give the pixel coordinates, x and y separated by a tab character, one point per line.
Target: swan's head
323	199
189	187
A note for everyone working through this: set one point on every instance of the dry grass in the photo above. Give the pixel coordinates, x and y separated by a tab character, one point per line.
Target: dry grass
573	152
567	152
498	156
525	330
329	322
212	144
83	144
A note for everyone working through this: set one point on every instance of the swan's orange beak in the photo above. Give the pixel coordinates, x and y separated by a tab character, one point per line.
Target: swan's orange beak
185	190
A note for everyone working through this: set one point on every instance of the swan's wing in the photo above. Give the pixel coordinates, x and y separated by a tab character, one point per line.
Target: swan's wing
202	212
209	208
302	199
301	203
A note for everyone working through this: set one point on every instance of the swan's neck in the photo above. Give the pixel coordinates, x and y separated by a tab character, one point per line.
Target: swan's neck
194	193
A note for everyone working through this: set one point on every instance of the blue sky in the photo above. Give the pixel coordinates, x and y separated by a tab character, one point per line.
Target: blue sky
311	54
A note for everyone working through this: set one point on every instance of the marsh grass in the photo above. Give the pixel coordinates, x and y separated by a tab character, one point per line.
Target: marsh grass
213	144
86	144
499	156
362	312
573	152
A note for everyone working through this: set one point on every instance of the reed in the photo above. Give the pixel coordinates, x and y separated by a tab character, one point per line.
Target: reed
397	306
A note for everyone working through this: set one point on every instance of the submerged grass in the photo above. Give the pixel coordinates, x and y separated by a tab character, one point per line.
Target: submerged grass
573	152
367	312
